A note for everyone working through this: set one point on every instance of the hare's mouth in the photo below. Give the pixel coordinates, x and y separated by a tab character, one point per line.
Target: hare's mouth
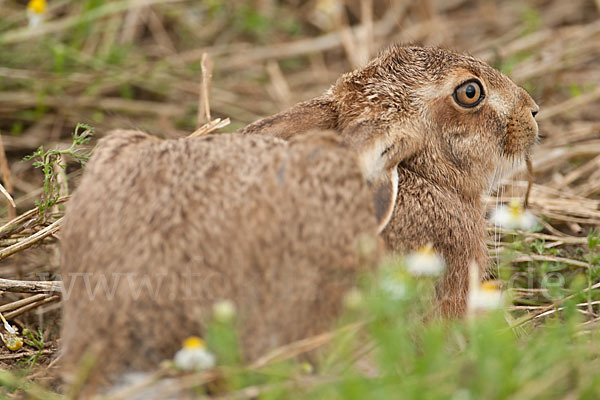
517	151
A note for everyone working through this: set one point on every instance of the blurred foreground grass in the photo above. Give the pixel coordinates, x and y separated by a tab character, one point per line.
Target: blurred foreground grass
385	348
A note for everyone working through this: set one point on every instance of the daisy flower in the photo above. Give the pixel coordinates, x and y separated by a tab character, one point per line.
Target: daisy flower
35	12
224	311
425	262
394	283
485	297
514	217
194	356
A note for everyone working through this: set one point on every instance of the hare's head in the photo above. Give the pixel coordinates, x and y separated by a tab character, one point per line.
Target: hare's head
447	116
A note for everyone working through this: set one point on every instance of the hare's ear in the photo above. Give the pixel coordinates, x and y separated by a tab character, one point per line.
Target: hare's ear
380	148
385	193
318	113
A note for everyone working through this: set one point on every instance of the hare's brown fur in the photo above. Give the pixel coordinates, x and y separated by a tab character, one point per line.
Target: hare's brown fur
402	105
173	226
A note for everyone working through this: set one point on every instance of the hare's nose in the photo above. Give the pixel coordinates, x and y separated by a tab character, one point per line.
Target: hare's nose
534	109
529	102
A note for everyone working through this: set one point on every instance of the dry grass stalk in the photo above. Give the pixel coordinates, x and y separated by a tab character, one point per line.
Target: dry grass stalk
559	205
531	236
5	193
211	127
7	188
204	103
14	356
23	302
368	38
133	23
358	43
160	34
280	87
140	107
31	240
578	173
549	308
25	220
302	346
60	168
9	285
242	58
31	306
569	105
537	257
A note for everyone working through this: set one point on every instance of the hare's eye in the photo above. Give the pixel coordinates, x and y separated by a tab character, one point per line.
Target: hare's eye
469	94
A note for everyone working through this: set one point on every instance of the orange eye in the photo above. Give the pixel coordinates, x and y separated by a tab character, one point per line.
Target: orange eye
469	94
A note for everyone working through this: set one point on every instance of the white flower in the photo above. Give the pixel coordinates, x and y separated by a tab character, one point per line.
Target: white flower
487	296
425	262
327	13
35	12
306	368
12	340
353	299
224	311
514	217
367	246
396	289
394	283
194	356
9	328
329	6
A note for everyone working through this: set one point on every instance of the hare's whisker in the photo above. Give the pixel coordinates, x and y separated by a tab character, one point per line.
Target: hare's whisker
496	233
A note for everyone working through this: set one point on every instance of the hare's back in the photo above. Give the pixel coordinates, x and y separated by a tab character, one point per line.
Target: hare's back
173	226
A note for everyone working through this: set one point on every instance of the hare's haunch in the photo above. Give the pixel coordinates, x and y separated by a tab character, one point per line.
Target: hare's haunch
158	231
438	124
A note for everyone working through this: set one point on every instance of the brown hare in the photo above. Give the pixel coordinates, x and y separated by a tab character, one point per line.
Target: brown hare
166	228
158	231
449	121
